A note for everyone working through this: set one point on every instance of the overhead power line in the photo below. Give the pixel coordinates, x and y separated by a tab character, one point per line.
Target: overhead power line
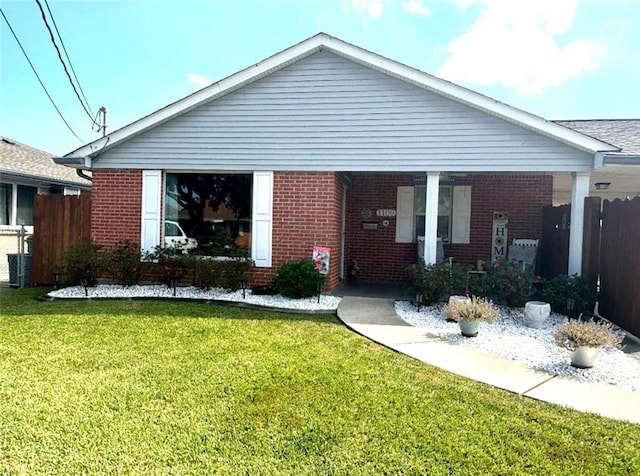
37	76
64	48
53	40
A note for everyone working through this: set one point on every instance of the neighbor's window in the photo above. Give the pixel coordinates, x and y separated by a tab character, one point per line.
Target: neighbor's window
208	214
445	208
22	214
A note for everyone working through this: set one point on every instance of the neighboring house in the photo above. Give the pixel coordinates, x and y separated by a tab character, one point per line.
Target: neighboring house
24	172
326	144
620	173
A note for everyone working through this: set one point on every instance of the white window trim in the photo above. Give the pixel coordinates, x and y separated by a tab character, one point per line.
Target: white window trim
459	218
13	226
261	214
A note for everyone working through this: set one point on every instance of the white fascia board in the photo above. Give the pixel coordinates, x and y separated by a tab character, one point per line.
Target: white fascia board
362	56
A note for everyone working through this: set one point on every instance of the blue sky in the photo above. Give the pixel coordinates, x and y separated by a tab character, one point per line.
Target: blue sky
560	59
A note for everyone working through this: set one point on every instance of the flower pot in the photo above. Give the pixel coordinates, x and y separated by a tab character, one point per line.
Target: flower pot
584	357
536	314
469	327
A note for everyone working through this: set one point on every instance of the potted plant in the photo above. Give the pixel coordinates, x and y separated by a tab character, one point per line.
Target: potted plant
468	314
584	339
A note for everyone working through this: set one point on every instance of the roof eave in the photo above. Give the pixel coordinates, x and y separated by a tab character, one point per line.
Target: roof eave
76	162
615	159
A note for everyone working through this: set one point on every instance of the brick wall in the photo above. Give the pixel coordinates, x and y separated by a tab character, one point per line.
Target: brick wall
378	256
116	201
307	211
521	196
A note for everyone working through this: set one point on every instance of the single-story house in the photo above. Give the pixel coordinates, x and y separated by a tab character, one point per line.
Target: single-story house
328	145
24	172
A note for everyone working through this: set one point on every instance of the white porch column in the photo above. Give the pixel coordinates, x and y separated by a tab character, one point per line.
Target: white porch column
579	192
431	217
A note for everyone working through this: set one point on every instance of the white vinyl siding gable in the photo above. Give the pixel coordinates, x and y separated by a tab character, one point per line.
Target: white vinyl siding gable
325	112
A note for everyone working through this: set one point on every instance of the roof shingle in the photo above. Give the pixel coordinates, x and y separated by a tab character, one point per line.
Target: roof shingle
21	160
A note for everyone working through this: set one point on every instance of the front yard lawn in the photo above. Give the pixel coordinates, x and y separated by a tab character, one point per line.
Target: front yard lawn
106	387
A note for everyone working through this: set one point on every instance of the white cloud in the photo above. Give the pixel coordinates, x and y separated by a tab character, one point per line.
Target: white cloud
415	7
371	8
198	79
514	43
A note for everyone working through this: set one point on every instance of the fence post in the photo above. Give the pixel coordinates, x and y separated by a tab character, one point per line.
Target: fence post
21	260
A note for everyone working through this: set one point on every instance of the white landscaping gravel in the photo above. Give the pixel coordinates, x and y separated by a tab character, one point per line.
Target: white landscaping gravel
327	303
509	338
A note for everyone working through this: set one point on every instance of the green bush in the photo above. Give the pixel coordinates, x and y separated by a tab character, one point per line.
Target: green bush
581	289
508	283
227	274
298	279
122	263
235	270
81	263
437	281
173	265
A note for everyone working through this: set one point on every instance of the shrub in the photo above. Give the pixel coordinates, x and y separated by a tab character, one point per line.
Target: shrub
298	279
474	309
575	333
122	263
509	283
207	273
437	281
234	271
581	289
227	274
172	264
81	263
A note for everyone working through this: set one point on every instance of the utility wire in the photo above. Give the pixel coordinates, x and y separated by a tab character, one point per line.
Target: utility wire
64	48
37	76
53	40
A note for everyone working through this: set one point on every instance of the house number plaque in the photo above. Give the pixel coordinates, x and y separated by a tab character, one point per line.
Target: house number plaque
386	212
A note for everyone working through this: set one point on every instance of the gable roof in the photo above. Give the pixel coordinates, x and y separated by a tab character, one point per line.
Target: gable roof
20	161
321	42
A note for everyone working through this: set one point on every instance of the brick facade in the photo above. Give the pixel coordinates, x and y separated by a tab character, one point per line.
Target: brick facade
307	211
116	205
521	196
380	258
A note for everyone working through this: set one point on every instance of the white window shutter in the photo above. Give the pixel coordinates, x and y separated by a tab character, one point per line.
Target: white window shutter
461	214
151	210
261	226
404	215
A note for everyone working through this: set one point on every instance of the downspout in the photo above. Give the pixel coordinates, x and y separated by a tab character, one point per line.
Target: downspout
83	175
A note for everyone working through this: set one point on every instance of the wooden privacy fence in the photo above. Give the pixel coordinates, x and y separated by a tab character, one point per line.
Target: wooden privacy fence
58	222
611	254
620	263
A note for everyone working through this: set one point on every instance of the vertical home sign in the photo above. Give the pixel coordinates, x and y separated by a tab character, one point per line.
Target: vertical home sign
499	237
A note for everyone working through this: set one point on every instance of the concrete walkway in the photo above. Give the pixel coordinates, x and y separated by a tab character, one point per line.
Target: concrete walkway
376	319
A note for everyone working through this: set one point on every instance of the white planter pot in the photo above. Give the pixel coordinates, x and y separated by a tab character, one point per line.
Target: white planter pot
469	328
536	314
584	357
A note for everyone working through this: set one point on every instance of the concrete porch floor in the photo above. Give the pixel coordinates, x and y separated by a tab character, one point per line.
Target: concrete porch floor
382	290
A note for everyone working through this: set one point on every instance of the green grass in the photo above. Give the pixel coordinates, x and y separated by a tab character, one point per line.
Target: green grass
106	387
